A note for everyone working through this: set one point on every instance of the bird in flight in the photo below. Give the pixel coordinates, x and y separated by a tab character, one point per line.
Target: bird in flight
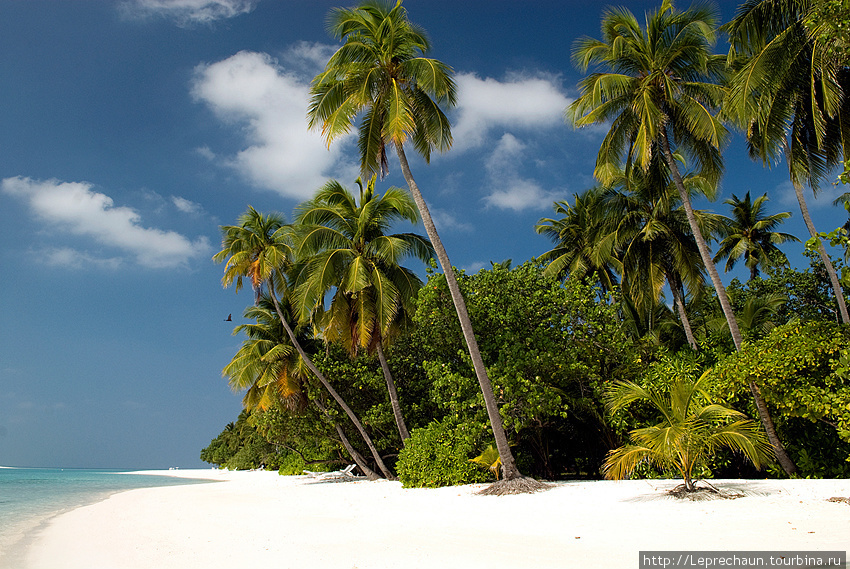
229	318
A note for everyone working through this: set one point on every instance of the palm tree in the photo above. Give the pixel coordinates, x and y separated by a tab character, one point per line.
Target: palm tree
661	91
757	316
264	366
692	429
260	249
380	72
792	95
345	246
269	370
654	238
750	234
663	86
583	245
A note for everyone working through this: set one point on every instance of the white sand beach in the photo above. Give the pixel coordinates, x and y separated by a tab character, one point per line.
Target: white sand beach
260	519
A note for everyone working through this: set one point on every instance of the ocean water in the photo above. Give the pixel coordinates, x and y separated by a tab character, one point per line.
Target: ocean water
30	497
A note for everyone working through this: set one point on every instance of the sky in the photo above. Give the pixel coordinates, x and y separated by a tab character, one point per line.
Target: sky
130	130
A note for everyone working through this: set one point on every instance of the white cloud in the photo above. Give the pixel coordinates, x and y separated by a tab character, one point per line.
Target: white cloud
827	193
509	190
444	220
75	208
187	206
69	258
282	154
518	103
474	267
189	12
309	57
206	153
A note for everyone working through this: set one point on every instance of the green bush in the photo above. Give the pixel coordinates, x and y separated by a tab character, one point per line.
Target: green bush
292	465
439	455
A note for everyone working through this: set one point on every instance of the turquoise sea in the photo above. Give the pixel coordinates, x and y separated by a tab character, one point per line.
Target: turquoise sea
30	497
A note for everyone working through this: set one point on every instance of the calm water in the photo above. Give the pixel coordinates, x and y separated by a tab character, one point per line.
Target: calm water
29	497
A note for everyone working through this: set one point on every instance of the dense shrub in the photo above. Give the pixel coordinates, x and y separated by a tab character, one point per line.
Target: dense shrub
801	369
550	348
439	455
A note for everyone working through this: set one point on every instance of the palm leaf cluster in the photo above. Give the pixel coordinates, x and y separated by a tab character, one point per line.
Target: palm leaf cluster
348	249
335	243
660	81
379	72
691	429
751	234
791	94
636	229
266	366
790	88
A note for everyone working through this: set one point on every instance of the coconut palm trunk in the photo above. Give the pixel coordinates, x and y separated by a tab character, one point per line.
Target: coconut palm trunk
679	301
704	253
827	263
767	422
394	402
356	456
509	468
326	384
764	414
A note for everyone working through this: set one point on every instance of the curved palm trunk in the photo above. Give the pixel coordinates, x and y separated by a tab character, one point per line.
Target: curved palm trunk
778	449
358	458
704	253
509	467
764	414
399	418
827	263
326	384
679	301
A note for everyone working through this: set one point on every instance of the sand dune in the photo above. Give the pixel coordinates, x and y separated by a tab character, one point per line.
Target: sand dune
254	519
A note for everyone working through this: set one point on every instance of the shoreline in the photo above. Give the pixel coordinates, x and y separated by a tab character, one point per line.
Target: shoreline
261	518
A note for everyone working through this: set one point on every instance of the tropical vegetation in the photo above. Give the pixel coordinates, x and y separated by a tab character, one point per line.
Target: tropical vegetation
618	351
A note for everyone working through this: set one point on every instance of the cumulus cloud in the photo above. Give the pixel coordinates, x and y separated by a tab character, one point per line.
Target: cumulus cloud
518	103
308	57
188	12
187	206
69	258
74	207
254	91
509	190
446	221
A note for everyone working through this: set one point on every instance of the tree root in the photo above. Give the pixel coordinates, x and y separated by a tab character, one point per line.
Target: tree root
521	485
702	493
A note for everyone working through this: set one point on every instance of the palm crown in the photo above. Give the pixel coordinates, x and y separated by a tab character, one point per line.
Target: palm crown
791	79
663	81
750	234
346	246
380	72
582	247
255	249
266	366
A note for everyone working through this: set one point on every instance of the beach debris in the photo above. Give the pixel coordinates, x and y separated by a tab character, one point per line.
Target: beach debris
839	499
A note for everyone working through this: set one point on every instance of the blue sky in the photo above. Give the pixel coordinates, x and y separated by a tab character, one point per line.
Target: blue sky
130	130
